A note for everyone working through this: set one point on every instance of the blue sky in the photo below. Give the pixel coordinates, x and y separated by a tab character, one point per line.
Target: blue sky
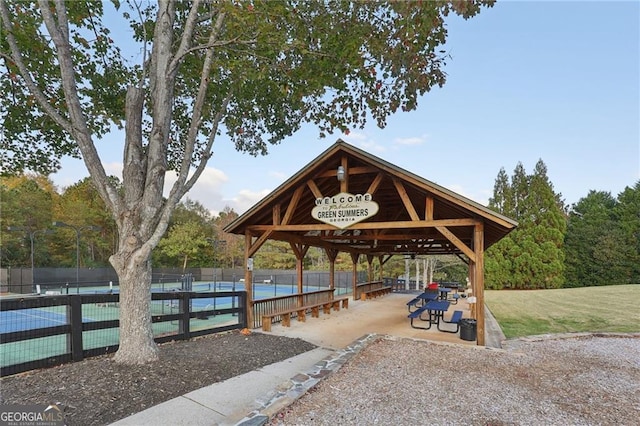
557	81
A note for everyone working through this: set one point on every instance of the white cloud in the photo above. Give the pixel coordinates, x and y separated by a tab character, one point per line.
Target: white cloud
278	175
364	141
113	169
354	137
207	190
413	141
479	196
245	199
373	146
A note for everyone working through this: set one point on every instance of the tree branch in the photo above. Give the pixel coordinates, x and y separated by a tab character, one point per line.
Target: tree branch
78	129
187	35
16	58
198	107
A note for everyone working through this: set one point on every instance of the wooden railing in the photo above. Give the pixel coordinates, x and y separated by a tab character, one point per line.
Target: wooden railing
372	285
283	303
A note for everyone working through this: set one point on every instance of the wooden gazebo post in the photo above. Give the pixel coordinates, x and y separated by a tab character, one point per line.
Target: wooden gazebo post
248	279
478	291
354	280
332	255
300	250
370	276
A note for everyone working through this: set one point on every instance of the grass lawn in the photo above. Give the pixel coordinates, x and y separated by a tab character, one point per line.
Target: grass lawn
614	308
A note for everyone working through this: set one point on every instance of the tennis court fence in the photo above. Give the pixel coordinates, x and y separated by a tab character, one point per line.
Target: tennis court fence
49	330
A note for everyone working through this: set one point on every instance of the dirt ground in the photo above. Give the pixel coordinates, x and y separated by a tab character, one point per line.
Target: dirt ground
98	391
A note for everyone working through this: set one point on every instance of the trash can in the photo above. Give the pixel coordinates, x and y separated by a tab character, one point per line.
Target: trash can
468	329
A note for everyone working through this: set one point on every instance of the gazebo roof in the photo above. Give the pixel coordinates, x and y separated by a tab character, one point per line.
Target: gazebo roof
415	216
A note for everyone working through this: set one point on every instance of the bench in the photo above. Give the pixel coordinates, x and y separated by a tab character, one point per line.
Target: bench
370	294
337	303
455	319
301	312
416	314
413	302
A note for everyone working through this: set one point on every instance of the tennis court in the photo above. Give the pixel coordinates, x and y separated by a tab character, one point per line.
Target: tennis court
215	312
26	318
32	318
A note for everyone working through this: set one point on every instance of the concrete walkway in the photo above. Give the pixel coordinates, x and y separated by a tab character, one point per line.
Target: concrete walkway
251	398
227	402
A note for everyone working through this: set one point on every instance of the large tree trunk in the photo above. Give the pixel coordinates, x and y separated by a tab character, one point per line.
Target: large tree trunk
136	335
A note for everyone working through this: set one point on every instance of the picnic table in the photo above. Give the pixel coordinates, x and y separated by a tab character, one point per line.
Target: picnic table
421	299
436	309
444	292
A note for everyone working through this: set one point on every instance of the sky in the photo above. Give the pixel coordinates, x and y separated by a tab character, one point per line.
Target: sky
557	81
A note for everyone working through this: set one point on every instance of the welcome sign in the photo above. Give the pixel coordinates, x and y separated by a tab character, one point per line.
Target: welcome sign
344	209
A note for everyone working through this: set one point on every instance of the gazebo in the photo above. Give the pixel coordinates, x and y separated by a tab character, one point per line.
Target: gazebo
348	200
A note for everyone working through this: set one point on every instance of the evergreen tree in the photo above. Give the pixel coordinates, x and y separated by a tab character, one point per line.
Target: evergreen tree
602	243
502	197
547	227
590	230
532	255
519	193
627	212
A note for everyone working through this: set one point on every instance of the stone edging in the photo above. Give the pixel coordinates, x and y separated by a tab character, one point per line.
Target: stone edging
294	388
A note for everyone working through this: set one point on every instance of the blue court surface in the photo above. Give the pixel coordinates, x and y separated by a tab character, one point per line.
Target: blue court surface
29	319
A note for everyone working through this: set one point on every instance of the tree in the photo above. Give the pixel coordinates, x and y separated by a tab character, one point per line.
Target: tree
189	217
184	240
531	256
602	241
502	196
275	255
627	212
26	203
548	227
80	205
254	69
590	220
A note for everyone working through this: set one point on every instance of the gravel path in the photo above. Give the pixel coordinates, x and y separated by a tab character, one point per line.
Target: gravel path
584	380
